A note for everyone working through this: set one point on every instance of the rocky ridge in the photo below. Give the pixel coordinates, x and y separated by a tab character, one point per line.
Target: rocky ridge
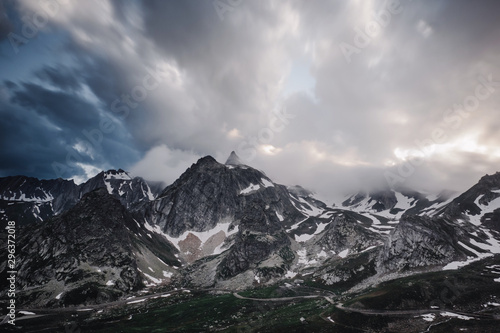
230	226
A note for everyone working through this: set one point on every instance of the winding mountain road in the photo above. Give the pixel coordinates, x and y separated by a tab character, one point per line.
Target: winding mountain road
45	312
277	299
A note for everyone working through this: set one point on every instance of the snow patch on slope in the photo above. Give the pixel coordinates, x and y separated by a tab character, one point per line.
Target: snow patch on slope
146	192
493	245
307	208
46	197
303	258
455	315
280	217
488	208
249	189
366	206
460	264
108	187
267	183
120	175
404	202
343	253
255	187
306	237
203	236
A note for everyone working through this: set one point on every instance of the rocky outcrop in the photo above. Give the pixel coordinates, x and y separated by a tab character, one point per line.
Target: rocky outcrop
209	193
129	190
345	232
471	202
233	159
89	254
260	235
420	241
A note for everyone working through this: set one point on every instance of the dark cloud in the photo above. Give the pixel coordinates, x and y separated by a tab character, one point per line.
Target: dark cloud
27	145
61	77
5	24
62	109
42	128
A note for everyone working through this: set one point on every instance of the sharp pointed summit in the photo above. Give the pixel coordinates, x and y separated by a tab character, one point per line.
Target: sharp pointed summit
233	159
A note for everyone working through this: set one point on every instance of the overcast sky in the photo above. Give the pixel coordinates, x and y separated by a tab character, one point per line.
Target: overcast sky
332	95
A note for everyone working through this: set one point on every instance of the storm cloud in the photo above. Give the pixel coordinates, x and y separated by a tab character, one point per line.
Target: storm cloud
332	95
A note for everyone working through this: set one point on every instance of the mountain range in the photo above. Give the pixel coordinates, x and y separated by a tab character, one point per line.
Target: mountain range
230	227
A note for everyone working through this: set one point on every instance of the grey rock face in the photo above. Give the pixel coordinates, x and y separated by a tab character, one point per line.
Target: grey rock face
487	188
420	241
91	244
349	271
233	159
344	232
261	234
210	192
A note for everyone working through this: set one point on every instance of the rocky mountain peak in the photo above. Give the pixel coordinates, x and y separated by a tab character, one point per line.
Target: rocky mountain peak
210	196
233	159
490	180
116	174
205	162
479	204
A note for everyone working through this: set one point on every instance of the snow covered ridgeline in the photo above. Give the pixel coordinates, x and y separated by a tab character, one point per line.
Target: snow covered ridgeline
116	174
389	203
40	199
305	207
111	175
39	196
392	204
121	183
